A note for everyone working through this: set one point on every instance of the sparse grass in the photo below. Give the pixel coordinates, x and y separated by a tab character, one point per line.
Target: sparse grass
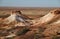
10	38
21	32
56	37
4	16
39	35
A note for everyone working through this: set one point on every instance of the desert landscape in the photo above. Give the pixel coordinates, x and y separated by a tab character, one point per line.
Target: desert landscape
29	23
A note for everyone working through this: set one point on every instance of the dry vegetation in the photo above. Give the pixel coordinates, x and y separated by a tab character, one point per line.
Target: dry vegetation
45	24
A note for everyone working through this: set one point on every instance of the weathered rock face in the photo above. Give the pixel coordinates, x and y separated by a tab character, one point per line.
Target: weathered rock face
39	27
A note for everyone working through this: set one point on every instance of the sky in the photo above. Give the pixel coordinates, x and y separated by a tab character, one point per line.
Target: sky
30	3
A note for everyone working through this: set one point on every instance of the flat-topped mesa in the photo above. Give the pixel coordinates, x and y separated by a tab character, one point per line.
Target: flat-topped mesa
9	19
17	16
12	17
52	15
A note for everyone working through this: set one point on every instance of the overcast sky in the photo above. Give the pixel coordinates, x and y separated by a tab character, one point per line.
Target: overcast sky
30	3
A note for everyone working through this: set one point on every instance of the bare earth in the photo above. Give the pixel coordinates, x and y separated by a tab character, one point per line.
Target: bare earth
41	33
